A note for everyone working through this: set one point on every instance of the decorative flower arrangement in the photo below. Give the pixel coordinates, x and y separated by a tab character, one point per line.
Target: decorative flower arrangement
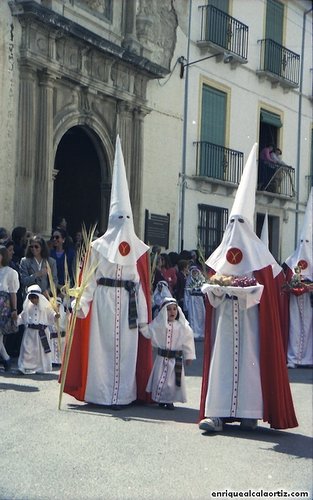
237	281
298	285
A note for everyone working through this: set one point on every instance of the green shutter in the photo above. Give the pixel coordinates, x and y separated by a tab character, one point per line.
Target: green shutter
218	23
274	37
274	21
213	115
220	4
213	126
271	119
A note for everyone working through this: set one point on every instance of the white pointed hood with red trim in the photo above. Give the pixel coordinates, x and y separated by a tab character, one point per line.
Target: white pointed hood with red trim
303	254
119	244
241	252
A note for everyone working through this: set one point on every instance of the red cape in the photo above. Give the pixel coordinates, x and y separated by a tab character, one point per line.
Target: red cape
76	377
283	300
278	408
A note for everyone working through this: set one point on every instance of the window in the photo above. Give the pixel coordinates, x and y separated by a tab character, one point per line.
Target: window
212	224
213	127
218	23
270	125
274	34
274	21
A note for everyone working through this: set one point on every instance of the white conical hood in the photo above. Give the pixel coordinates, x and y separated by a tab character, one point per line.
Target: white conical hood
303	254
241	252
244	203
119	244
264	232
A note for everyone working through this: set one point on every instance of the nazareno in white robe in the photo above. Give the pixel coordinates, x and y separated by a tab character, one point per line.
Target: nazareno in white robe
234	388
194	304
111	377
32	358
176	336
300	346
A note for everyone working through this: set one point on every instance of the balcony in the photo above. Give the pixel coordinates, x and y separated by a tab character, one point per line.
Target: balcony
279	64
218	163
276	179
223	33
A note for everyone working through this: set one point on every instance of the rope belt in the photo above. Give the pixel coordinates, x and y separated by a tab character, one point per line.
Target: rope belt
54	335
231	297
42	335
130	287
178	355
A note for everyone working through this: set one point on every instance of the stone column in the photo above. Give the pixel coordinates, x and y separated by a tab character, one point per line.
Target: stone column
25	167
125	131
136	178
43	181
105	205
130	38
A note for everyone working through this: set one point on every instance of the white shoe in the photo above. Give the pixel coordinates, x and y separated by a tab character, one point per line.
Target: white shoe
211	424
290	364
249	424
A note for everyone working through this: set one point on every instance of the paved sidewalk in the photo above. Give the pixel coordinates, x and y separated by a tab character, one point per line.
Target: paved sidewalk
143	452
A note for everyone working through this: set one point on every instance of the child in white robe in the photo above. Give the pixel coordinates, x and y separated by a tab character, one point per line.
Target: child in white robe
160	293
194	302
37	315
172	336
56	343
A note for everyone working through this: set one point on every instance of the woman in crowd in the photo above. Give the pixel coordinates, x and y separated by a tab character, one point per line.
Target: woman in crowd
60	251
9	285
34	265
13	341
168	272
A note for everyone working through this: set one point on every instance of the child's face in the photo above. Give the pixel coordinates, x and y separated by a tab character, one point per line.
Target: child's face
171	312
34	299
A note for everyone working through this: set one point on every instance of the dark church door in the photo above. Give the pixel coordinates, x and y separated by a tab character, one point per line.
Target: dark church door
77	187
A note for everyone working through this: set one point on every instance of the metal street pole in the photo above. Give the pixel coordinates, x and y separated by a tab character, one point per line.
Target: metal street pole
299	126
183	169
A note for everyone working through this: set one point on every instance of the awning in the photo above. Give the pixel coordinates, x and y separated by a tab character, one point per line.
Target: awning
271	119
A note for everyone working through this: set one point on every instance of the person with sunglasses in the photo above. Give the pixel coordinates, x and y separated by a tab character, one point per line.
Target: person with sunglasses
34	265
61	250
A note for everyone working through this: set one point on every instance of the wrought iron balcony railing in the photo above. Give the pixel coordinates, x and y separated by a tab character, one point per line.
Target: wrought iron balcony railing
278	179
222	31
279	63
218	162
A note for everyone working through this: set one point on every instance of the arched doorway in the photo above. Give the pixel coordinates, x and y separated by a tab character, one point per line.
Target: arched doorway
79	194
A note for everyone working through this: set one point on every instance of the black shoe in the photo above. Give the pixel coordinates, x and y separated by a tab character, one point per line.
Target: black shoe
117	407
7	365
170	406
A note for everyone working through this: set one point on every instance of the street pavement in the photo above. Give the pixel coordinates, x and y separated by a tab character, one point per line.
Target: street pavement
144	452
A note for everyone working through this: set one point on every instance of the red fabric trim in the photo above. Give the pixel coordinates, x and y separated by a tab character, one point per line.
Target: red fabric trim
283	300
206	356
144	355
76	377
278	407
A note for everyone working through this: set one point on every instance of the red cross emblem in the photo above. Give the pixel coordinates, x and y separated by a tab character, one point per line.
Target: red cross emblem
302	264
234	256
124	248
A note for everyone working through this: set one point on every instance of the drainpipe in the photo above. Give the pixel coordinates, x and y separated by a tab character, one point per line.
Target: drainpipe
182	174
299	126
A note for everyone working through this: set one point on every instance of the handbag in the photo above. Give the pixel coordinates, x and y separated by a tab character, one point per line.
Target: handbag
7	325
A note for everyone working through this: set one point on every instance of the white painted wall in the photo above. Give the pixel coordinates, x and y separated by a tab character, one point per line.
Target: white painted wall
248	93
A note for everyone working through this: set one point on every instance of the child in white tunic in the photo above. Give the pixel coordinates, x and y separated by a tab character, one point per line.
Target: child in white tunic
55	342
37	315
172	336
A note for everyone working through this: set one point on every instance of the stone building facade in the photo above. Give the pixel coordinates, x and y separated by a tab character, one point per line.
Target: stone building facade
77	73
